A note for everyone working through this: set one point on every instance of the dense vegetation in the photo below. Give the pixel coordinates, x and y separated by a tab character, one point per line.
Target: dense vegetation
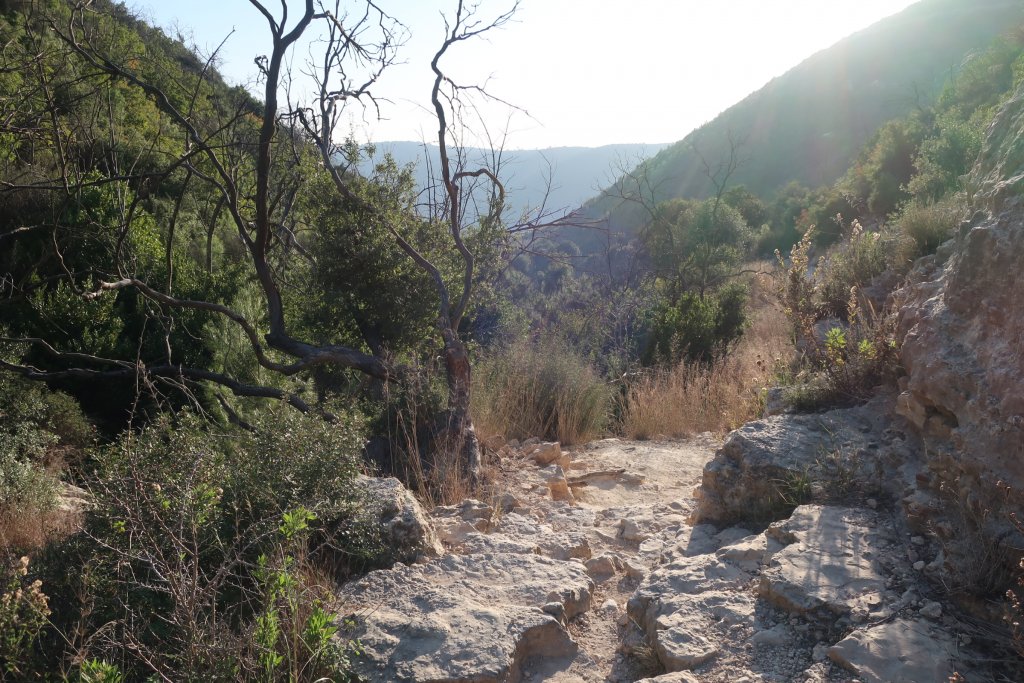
210	307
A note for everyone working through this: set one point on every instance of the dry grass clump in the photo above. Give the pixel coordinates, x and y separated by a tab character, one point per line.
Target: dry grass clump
439	475
539	389
31	529
423	447
695	397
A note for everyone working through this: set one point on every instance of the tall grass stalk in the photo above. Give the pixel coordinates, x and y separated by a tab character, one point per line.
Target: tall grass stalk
539	389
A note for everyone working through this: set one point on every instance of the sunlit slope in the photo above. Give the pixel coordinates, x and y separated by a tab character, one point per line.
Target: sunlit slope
808	124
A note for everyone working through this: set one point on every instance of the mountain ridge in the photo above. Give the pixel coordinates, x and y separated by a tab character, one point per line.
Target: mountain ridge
575	170
791	126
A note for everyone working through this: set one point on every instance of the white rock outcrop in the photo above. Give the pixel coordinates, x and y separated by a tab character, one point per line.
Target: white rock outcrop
465	618
406	528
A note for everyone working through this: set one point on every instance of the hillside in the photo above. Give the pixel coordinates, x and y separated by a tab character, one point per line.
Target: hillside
576	173
263	417
809	124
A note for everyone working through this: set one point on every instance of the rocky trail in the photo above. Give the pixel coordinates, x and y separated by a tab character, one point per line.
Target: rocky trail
588	566
860	544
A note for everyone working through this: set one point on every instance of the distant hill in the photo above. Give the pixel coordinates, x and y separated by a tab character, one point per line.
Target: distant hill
809	124
576	173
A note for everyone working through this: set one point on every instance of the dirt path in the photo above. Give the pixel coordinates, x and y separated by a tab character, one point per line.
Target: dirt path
583	567
639	495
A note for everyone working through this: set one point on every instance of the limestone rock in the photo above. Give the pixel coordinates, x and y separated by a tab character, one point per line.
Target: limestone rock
634	569
684	647
554	479
560	545
774	401
601	567
748	553
511	533
630	531
775	636
749	476
464	617
544	453
73	501
961	326
677	604
407	529
830	561
475	543
931	610
901	651
675	677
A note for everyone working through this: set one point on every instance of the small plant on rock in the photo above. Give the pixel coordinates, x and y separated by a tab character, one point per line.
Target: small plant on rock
293	633
1015	598
797	289
859	357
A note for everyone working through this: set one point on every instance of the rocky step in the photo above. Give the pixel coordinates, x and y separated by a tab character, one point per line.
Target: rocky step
464	618
828	586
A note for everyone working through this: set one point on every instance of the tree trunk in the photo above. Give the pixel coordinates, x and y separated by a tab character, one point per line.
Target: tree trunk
461	435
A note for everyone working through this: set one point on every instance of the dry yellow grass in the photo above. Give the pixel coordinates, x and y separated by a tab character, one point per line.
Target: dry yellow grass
693	398
541	390
32	529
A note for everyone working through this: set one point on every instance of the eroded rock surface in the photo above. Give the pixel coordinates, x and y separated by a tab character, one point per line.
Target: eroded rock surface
407	530
680	604
880	654
770	464
830	561
465	617
615	585
961	325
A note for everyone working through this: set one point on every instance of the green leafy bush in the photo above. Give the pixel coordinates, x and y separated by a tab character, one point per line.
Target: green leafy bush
25	486
41	433
927	225
189	524
697	328
98	671
847	365
854	262
844	363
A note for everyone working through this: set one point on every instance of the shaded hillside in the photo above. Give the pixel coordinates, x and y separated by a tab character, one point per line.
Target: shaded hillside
576	173
809	124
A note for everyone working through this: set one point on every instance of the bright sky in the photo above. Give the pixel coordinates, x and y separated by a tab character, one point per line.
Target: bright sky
588	72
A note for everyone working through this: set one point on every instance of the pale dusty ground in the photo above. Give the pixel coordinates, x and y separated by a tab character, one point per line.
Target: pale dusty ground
656	493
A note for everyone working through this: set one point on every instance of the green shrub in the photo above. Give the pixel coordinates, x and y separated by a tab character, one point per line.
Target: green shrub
98	671
26	402
697	328
25	487
847	365
539	389
189	524
946	156
40	432
927	225
851	359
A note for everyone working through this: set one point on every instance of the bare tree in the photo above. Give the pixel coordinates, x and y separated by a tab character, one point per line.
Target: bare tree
253	181
718	174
